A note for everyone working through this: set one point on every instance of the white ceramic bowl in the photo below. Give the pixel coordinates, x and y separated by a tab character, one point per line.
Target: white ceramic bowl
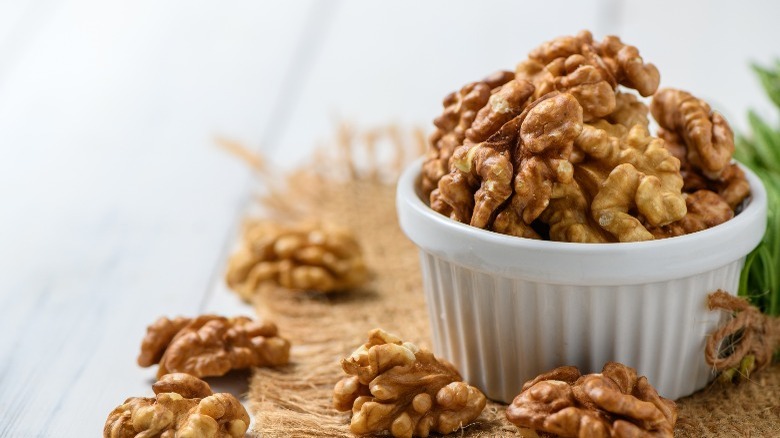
505	309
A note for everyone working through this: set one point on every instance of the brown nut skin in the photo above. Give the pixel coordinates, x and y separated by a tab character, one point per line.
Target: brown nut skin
731	185
706	134
547	133
480	179
212	345
588	70
705	209
614	182
307	256
627	170
627	66
460	111
183	406
614	403
158	336
394	387
504	105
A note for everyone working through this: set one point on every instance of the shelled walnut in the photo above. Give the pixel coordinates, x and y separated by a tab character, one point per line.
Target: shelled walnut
460	111
562	151
212	345
306	256
184	406
394	387
615	403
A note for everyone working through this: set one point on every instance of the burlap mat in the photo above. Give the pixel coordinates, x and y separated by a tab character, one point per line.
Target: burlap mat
295	401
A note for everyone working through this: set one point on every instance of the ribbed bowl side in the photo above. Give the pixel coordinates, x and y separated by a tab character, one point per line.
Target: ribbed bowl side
501	332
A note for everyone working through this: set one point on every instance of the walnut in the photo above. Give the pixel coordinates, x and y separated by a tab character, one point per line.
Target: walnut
305	256
731	184
627	66
480	180
568	215
212	345
395	387
578	71
561	47
460	111
547	134
504	105
562	151
614	403
705	210
706	134
589	71
629	111
629	170
184	406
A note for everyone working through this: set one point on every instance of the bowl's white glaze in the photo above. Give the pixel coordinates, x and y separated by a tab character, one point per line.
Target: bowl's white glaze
505	309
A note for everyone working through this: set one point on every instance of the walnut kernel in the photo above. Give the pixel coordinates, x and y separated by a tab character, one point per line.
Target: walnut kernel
615	403
184	406
301	257
212	345
504	158
394	386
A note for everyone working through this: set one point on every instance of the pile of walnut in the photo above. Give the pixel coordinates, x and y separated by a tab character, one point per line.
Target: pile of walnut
212	345
184	406
560	149
614	403
393	386
299	257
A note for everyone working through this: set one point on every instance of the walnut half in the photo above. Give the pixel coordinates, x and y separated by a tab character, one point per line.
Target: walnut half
307	256
614	403
393	386
184	406
212	345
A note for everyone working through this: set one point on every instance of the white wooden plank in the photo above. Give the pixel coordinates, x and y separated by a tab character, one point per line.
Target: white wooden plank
116	202
19	22
395	61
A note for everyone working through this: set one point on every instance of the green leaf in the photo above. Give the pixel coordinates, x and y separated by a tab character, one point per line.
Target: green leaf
760	151
766	142
770	80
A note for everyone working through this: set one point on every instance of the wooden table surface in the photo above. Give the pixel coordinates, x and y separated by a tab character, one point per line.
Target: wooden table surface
117	207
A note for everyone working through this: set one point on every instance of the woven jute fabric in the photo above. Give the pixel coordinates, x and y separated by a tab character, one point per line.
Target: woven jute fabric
296	400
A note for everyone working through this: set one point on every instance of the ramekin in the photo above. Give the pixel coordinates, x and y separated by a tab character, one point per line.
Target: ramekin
504	309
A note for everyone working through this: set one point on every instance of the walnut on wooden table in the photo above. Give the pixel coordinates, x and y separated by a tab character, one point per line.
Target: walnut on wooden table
397	388
212	345
184	406
614	403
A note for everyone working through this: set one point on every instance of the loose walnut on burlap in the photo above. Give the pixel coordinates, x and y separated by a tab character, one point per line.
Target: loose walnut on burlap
615	403
306	256
212	345
184	406
395	387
